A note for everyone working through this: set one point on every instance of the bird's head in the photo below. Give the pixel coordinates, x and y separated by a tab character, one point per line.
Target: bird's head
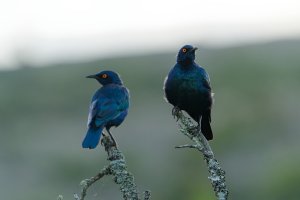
186	55
107	77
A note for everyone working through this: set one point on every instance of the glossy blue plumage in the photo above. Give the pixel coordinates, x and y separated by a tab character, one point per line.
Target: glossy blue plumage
109	107
187	87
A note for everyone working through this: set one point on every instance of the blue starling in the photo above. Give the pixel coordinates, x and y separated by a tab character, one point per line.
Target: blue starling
187	87
108	108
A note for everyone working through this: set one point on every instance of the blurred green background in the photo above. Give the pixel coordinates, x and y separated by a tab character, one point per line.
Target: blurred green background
255	120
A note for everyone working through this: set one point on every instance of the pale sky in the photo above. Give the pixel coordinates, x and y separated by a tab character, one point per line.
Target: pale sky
42	31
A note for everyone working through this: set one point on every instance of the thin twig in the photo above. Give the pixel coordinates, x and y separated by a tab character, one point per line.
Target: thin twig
187	146
217	174
88	182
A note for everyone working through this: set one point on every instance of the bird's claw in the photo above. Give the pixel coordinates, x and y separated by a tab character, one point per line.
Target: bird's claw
175	113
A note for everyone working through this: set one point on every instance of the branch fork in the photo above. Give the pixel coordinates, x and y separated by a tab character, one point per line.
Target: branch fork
216	173
118	169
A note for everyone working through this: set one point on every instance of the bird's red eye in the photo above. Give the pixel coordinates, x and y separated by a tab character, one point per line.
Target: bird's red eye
104	76
184	50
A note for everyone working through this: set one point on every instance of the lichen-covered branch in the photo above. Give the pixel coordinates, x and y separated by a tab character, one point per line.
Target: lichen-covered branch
216	173
147	195
118	169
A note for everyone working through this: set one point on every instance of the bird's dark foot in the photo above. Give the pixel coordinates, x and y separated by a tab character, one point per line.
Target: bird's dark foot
175	112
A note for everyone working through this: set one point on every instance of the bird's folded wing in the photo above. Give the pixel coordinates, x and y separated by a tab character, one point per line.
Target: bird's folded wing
102	110
92	112
206	82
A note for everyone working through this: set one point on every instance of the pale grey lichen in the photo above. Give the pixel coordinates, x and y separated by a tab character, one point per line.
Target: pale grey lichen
76	197
60	197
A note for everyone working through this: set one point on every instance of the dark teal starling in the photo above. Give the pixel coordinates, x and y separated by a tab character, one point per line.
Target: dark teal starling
108	108
187	87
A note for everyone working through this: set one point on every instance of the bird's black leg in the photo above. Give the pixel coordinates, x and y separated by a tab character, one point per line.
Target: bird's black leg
175	112
113	139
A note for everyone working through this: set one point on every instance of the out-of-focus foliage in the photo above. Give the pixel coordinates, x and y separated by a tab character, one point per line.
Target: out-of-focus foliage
43	114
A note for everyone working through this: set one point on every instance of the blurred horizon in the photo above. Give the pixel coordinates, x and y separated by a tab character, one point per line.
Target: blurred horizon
27	62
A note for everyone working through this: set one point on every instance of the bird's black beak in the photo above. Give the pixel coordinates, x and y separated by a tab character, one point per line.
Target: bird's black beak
194	49
91	76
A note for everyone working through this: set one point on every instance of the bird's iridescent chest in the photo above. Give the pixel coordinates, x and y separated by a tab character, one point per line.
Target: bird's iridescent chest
185	81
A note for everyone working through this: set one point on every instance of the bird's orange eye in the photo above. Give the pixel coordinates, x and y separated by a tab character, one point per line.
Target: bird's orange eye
184	50
104	76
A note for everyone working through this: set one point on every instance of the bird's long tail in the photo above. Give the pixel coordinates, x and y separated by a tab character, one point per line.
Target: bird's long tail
205	126
92	137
